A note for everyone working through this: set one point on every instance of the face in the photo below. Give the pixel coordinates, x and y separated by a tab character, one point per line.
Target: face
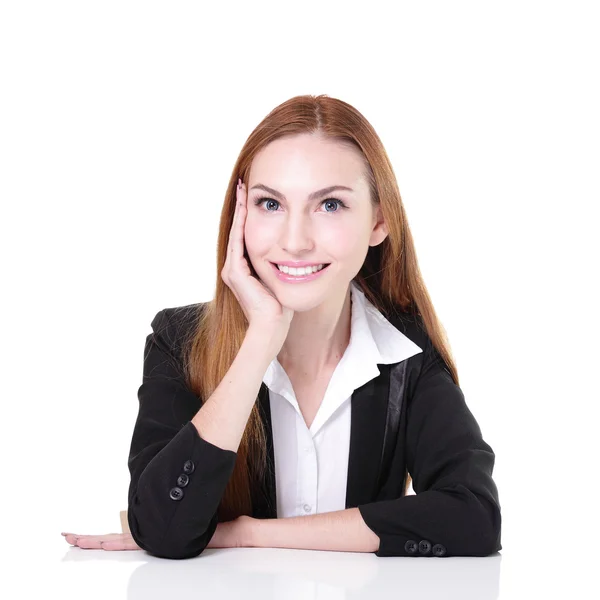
337	227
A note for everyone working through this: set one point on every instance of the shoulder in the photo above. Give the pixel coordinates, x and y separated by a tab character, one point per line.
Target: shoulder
179	317
173	325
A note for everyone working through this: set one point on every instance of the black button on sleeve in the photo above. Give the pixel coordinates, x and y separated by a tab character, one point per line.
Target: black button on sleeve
188	466
183	480
411	546
424	546
176	493
439	550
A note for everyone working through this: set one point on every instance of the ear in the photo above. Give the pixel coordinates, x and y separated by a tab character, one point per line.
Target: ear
380	230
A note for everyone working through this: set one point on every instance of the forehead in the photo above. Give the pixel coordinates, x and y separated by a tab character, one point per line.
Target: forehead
306	158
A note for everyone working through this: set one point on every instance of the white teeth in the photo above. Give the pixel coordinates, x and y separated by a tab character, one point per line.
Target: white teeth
300	270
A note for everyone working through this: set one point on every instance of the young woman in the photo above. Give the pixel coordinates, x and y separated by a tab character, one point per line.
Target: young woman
294	409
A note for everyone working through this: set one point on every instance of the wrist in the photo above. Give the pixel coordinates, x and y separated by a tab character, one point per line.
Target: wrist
249	532
259	342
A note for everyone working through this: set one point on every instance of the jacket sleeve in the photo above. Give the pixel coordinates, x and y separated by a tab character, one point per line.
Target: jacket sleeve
455	510
177	477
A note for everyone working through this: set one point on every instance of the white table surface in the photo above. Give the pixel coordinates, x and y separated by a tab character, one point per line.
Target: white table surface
529	570
279	573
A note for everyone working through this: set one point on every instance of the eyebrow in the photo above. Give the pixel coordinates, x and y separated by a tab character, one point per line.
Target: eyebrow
311	197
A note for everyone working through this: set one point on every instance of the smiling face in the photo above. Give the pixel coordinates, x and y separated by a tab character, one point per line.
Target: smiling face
336	227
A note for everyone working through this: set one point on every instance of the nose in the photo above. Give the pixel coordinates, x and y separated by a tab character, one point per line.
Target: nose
296	236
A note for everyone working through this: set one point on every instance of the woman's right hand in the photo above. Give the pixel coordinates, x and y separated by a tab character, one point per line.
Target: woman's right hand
263	311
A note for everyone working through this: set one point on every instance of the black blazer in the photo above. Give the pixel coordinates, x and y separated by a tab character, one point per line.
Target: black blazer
411	416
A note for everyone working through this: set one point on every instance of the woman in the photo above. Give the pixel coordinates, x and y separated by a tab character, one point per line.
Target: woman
356	387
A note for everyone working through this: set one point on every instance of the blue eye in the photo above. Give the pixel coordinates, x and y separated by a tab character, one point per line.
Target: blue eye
341	204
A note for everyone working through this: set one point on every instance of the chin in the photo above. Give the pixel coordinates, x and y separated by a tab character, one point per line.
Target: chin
298	306
297	299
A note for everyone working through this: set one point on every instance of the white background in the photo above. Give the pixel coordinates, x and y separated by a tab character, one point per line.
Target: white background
119	126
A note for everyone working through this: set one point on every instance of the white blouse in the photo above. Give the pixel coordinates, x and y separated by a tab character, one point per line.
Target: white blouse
311	465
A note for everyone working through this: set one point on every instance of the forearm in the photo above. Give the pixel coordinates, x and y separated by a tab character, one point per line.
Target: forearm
223	417
342	531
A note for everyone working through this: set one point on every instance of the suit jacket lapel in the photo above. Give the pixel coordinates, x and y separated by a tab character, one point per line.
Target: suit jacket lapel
264	492
376	411
367	432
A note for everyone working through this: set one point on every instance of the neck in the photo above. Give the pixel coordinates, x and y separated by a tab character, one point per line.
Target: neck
317	339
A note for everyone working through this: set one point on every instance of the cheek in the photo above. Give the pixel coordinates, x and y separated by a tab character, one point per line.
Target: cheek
341	239
344	247
349	246
257	235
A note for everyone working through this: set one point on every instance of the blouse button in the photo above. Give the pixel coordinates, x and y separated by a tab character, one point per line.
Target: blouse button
307	508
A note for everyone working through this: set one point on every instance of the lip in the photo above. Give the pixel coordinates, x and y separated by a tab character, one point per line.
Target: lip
296	264
294	278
